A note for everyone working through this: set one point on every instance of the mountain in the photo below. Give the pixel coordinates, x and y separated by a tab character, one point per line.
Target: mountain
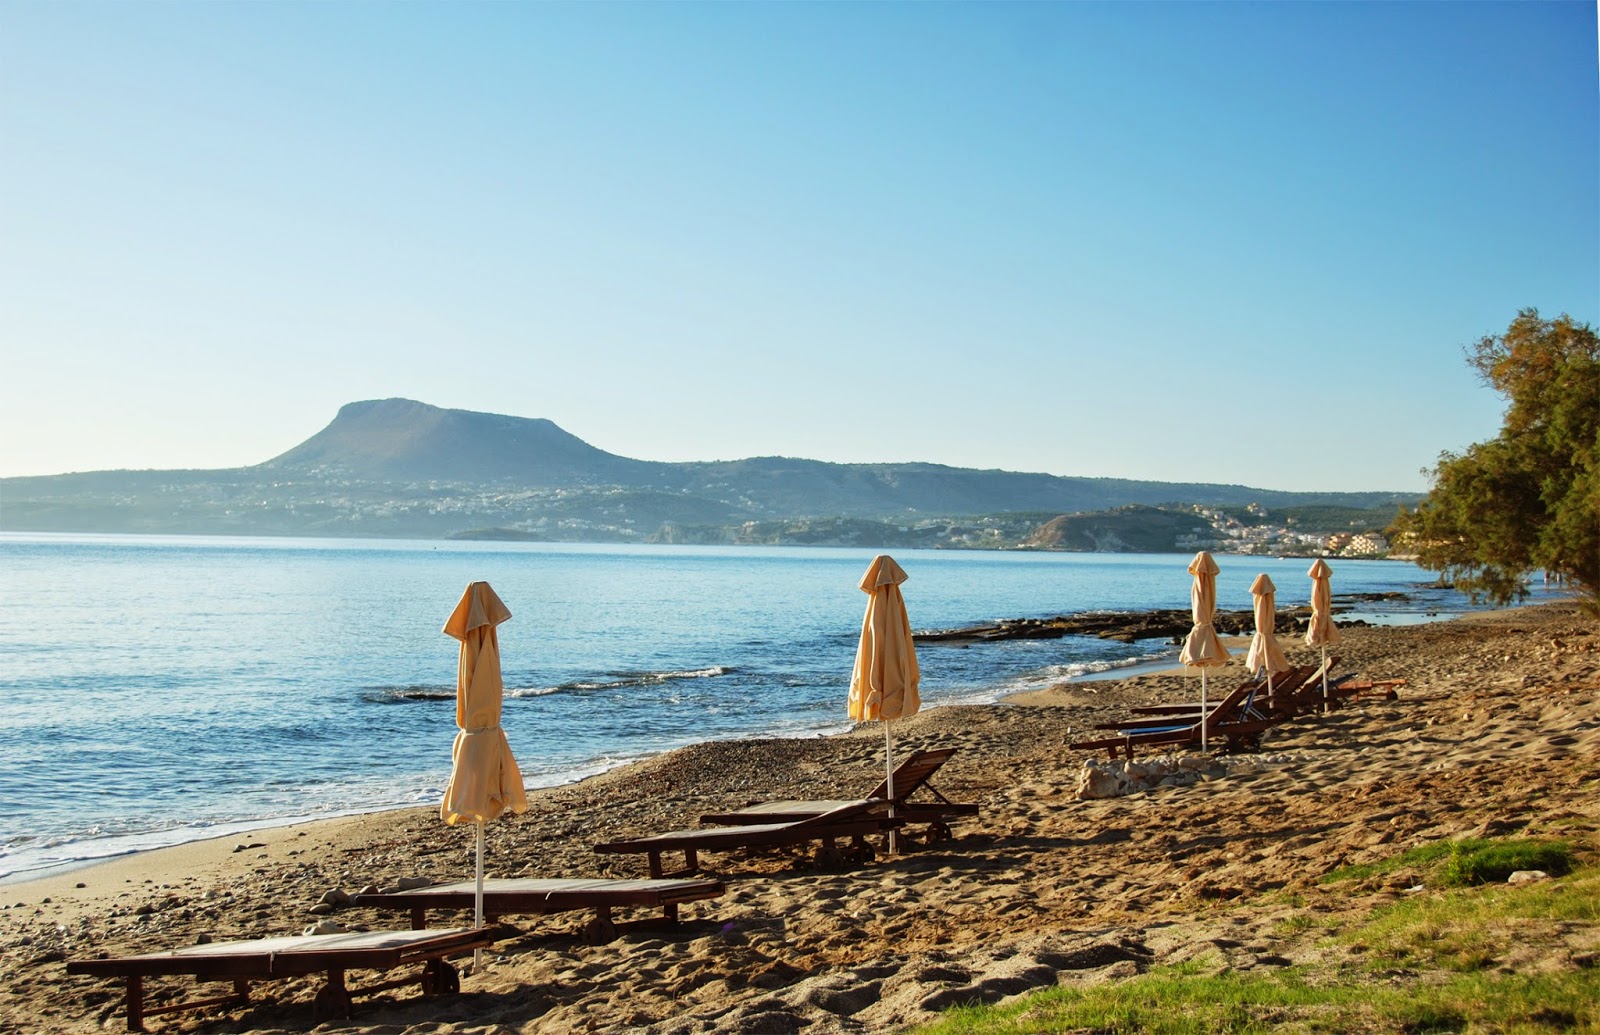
404	441
396	467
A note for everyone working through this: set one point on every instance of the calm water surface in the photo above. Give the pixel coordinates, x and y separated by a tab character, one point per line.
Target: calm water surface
161	689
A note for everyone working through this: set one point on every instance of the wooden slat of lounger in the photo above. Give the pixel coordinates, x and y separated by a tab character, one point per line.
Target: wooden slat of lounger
292	955
780	811
548	895
912	773
909	811
855	821
266	958
1283	682
759	835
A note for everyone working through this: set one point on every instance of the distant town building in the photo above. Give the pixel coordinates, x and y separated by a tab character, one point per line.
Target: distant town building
1368	544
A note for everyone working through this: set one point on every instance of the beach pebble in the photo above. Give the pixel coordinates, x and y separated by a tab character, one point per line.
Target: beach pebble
336	897
1527	877
412	883
326	927
321	909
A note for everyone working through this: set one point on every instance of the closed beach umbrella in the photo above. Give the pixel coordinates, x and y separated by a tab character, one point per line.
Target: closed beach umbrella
484	778
883	685
1265	654
1322	632
1203	648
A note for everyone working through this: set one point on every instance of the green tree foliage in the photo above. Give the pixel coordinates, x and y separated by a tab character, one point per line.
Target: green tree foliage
1529	499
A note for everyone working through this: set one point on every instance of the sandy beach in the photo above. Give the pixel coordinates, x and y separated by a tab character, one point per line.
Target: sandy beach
1497	730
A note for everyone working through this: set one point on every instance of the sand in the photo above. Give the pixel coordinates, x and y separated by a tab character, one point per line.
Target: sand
1496	731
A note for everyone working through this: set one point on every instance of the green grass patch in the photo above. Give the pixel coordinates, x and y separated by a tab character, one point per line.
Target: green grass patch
1474	958
1474	928
1494	861
1471	860
1166	1001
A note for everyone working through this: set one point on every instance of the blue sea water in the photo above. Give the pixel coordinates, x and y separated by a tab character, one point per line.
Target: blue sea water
155	690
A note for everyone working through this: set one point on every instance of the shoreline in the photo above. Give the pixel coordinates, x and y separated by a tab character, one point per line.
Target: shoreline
1114	625
1496	731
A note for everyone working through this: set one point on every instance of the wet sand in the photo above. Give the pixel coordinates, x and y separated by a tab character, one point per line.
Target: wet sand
1496	731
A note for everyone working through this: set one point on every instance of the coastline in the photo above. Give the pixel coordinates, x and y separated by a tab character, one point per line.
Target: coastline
1497	728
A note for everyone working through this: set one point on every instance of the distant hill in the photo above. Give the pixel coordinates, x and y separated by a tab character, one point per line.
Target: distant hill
1127	529
396	467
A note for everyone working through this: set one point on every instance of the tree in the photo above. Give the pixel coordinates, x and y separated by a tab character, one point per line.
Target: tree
1529	499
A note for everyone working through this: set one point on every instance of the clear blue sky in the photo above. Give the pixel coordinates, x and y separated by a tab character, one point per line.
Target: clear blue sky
1226	242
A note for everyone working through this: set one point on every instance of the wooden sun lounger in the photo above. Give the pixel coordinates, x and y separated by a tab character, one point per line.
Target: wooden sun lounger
854	820
503	897
268	958
1307	697
1282	683
1227	723
1353	688
910	776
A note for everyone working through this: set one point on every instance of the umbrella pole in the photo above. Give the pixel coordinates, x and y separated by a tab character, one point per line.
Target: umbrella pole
477	903
1324	678
1205	717
888	767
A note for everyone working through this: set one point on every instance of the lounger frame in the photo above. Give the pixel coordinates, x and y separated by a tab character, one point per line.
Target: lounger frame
266	959
543	897
852	822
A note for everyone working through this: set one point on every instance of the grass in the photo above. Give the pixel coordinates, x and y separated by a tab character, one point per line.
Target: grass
1469	860
1166	1001
1467	957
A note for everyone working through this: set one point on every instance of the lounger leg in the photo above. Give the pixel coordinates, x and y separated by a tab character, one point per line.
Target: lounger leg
670	912
333	1000
599	930
419	918
691	860
655	864
134	1000
440	978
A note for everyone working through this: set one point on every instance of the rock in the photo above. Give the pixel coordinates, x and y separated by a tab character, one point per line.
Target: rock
1095	782
321	909
1527	877
412	883
326	927
336	897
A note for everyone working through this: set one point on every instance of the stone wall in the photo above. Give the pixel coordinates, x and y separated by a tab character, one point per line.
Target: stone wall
1114	779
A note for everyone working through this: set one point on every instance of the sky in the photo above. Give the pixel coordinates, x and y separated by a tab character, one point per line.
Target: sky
1224	242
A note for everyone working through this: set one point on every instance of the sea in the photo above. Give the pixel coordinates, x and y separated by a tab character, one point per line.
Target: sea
162	689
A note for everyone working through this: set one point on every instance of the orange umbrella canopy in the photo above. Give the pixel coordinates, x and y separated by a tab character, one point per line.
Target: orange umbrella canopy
883	684
484	778
1264	650
1321	632
1203	648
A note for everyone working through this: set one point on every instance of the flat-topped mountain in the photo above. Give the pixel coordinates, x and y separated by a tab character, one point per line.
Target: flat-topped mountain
397	467
404	441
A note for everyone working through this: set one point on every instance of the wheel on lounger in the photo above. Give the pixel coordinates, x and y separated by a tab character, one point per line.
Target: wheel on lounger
829	857
440	978
939	831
